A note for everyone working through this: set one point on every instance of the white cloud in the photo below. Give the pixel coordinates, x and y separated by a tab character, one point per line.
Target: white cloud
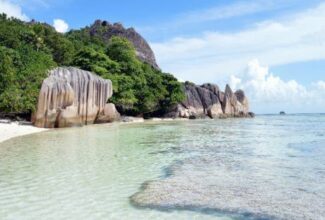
219	12
236	9
269	93
215	55
60	25
321	85
12	10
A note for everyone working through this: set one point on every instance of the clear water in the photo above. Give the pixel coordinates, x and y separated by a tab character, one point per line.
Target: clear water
270	167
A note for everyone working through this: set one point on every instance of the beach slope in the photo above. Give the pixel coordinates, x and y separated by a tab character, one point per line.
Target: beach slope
10	130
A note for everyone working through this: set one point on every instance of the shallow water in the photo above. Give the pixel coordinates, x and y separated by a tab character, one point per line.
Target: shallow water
270	167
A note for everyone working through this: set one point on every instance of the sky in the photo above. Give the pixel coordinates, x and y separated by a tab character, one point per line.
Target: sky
274	50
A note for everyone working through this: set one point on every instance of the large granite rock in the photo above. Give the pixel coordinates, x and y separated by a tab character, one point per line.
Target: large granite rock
73	97
105	31
229	103
242	101
109	114
208	100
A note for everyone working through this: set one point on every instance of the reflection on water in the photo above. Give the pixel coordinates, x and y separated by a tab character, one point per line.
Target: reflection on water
265	168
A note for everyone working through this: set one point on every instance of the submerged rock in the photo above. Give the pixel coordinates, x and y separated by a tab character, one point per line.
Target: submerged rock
214	185
73	97
208	100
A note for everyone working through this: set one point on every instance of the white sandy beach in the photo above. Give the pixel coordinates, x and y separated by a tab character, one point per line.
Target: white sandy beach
14	129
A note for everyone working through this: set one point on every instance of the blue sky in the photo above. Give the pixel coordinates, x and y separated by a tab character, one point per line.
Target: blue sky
274	50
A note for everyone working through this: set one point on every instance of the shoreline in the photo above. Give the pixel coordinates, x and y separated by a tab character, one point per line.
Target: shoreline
10	129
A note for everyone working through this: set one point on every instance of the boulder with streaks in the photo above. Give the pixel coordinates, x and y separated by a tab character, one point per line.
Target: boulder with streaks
72	97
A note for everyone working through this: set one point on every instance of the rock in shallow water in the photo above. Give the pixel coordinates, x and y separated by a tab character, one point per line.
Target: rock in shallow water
73	97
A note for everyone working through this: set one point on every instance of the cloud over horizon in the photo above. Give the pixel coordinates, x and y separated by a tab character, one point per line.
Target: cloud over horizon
269	93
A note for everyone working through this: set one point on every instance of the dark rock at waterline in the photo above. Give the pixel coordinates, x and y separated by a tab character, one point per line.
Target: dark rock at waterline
208	101
282	113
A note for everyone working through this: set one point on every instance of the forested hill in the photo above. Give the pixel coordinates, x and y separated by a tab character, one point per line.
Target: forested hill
104	31
29	50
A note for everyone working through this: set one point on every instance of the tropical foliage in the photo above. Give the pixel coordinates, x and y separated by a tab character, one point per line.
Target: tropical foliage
29	50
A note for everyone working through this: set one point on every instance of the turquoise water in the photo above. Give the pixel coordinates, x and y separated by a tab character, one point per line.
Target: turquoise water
270	167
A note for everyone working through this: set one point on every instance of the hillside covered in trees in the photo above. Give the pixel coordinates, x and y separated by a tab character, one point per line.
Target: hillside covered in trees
29	49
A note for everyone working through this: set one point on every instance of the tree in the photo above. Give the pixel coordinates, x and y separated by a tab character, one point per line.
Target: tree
7	68
122	51
95	61
21	74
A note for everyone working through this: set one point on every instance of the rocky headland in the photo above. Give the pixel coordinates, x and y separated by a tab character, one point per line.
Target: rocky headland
208	100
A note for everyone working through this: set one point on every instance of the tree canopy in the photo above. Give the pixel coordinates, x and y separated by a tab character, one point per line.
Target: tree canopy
29	50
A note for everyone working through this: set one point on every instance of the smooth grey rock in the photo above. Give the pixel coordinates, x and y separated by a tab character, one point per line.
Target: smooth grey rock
71	97
215	110
208	100
243	105
211	87
109	114
229	102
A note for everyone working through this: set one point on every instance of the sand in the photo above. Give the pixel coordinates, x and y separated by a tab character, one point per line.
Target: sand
10	130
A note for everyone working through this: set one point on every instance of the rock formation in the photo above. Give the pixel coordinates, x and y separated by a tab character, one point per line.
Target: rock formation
105	30
208	100
109	114
74	97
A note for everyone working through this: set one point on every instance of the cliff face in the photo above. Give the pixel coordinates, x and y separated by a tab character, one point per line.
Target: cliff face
73	97
208	100
104	30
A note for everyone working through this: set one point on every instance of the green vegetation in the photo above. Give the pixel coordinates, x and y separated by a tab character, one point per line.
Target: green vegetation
29	50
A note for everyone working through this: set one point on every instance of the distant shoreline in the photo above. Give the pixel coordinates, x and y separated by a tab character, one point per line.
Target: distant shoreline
11	129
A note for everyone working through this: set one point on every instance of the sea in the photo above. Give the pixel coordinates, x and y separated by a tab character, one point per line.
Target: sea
268	167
